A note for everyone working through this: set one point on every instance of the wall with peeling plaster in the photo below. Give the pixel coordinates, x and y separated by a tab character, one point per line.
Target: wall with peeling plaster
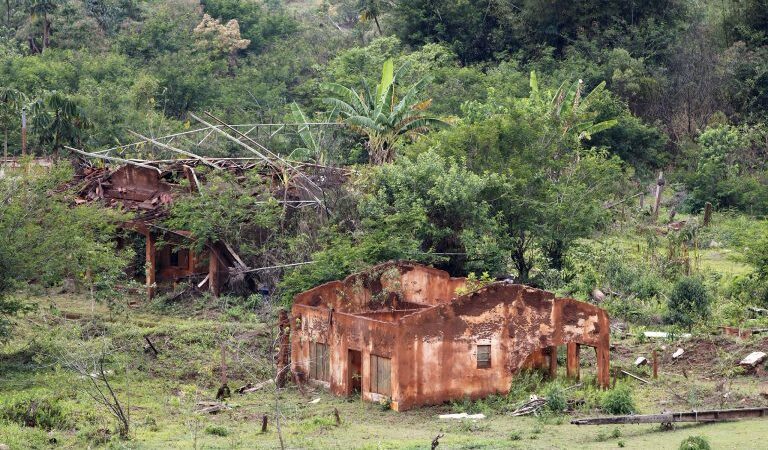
411	314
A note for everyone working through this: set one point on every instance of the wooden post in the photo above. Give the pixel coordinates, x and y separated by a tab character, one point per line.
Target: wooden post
151	267
707	213
284	347
23	131
572	360
553	362
264	423
659	190
642	201
603	366
655	365
213	271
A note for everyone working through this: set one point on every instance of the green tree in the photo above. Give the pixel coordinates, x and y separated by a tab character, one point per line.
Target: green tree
730	170
688	302
58	121
380	115
447	208
373	9
551	189
41	9
11	102
224	209
45	240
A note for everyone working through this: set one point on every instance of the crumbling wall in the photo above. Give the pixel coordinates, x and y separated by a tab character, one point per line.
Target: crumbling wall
438	347
341	332
433	347
390	285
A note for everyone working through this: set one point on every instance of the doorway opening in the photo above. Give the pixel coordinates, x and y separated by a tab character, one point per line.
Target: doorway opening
355	372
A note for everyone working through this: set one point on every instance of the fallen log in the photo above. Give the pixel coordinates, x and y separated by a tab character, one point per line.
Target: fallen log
248	388
635	377
531	407
211	407
715	415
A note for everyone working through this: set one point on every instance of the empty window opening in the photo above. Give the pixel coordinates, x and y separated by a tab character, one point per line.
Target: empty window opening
483	356
381	382
179	258
319	362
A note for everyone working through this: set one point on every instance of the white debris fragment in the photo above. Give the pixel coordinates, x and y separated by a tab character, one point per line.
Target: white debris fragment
753	359
315	401
641	361
678	353
664	335
462	416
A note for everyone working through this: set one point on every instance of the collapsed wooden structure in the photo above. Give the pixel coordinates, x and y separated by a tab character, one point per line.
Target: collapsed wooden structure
400	332
147	188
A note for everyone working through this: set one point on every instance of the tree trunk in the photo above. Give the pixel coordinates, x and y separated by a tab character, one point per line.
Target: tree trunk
46	31
555	252
23	132
521	264
378	27
5	144
8	13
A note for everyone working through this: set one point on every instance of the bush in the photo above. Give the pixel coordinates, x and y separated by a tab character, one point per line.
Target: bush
45	413
688	302
695	443
556	401
217	430
618	401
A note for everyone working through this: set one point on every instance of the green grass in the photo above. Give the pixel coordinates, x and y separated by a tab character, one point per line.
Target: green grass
161	393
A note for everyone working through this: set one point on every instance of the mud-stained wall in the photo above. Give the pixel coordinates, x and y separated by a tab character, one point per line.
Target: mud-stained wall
438	347
341	332
135	183
386	286
434	349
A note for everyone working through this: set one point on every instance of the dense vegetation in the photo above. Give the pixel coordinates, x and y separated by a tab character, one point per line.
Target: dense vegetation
496	135
508	139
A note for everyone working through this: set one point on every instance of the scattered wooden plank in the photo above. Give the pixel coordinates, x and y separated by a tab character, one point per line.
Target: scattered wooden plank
248	389
635	377
716	415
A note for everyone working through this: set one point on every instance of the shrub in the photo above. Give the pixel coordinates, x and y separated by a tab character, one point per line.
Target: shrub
515	436
556	401
217	430
45	413
695	443
688	302
618	401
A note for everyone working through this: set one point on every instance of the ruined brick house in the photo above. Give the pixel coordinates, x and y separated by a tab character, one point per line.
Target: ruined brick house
400	332
147	191
148	187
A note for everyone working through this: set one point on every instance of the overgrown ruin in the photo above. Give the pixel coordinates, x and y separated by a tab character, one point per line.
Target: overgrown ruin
399	332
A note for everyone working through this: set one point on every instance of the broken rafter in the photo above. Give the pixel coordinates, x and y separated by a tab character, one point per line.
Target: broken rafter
270	161
112	158
278	267
177	150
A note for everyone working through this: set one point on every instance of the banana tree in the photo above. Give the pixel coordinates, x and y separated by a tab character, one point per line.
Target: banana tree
58	121
11	102
570	110
380	115
42	8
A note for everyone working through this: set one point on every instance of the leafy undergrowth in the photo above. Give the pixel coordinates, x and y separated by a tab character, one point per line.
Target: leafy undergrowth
43	404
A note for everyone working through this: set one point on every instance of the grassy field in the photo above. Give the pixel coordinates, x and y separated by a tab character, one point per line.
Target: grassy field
160	392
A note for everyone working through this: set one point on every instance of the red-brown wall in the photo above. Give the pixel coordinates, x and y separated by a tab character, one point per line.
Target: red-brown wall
433	350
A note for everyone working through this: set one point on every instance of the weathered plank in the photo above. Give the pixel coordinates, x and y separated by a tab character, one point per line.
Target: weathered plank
715	415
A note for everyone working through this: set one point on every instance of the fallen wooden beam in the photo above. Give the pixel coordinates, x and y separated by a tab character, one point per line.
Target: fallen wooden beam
635	377
715	415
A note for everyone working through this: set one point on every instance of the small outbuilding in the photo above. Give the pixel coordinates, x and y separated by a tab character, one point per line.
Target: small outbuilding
411	335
